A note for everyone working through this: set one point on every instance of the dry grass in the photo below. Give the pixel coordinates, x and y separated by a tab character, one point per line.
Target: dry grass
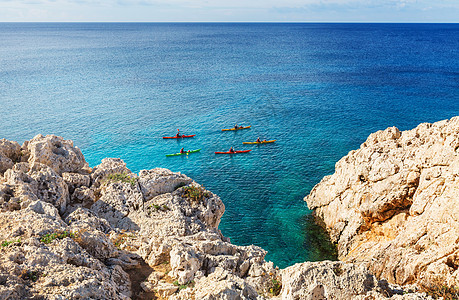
437	288
122	238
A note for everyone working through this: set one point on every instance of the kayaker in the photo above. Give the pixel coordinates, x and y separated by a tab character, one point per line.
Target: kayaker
231	150
178	133
182	151
236	127
258	140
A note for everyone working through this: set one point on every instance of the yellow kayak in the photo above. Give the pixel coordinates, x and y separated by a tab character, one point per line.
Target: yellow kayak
239	128
262	142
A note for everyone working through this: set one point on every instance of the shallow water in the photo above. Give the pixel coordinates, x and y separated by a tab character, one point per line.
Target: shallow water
318	89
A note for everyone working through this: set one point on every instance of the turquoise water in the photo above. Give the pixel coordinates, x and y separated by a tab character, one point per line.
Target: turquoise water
319	89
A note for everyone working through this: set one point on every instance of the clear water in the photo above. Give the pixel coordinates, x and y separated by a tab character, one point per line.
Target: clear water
319	89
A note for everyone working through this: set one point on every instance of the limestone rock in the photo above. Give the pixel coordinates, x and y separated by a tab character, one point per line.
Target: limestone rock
108	166
75	180
123	236
83	195
117	200
55	152
5	163
37	219
223	285
10	153
395	201
50	186
166	289
329	280
160	181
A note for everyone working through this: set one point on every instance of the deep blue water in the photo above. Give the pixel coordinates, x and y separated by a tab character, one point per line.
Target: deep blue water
319	89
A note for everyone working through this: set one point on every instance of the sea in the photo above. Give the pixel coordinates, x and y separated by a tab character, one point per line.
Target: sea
318	89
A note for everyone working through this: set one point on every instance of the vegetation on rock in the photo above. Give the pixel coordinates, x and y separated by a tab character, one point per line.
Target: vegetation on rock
123	177
183	286
49	237
7	243
275	287
195	193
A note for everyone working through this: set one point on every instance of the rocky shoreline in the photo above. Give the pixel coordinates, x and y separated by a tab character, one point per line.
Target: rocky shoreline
68	231
394	204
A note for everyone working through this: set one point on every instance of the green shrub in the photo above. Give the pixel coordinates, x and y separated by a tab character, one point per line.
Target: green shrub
7	243
155	206
49	237
30	275
123	177
275	287
338	270
195	193
184	286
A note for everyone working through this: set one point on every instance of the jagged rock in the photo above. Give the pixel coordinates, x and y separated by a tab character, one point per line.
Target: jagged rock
165	289
75	180
108	166
50	186
329	280
5	163
223	285
10	153
147	286
83	195
134	236
161	181
84	219
55	152
10	149
117	200
37	219
394	201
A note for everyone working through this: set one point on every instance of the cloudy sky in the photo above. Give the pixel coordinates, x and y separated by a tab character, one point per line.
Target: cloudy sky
229	10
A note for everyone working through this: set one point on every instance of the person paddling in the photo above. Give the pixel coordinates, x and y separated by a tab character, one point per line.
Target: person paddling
231	150
258	140
236	127
178	133
182	151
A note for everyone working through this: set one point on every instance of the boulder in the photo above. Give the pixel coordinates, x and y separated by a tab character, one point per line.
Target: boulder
55	152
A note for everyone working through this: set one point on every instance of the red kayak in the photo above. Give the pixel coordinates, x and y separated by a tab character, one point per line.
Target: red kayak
236	151
178	137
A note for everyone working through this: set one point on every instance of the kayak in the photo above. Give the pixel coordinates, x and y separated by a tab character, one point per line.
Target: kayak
178	137
239	128
235	152
262	142
184	153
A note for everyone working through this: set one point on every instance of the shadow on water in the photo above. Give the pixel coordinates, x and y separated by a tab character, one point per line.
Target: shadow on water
317	241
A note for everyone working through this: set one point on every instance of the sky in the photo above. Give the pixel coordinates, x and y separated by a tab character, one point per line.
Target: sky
229	11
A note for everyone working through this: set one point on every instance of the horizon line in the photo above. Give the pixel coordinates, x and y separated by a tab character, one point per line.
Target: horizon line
244	22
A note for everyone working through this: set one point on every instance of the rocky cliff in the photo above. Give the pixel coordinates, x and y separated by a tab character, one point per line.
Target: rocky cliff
68	231
394	204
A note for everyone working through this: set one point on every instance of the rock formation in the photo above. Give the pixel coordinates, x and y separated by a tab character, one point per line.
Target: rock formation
394	204
71	232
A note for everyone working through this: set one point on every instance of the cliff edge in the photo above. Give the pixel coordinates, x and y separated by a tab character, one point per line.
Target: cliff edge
394	204
68	231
